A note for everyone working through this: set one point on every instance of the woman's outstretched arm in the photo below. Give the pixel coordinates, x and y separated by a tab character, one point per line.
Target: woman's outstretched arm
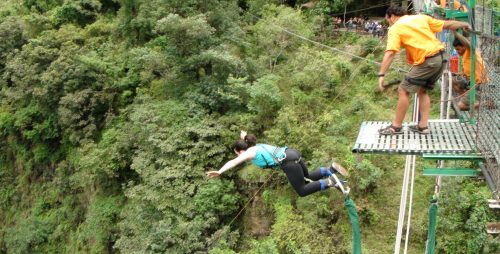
247	155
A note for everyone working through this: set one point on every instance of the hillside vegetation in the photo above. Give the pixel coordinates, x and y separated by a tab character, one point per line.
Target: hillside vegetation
111	112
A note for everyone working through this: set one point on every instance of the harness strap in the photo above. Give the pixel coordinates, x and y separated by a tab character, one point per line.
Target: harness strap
277	161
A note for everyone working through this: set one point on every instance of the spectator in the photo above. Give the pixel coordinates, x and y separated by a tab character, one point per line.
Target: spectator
339	22
370	27
378	30
349	24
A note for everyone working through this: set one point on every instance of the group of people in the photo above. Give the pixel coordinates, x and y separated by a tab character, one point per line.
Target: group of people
351	23
415	33
356	22
376	28
373	27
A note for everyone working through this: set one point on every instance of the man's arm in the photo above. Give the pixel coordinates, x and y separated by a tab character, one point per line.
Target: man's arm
454	25
462	39
386	63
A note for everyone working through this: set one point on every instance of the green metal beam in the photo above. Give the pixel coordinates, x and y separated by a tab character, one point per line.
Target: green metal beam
450	172
453	14
464	157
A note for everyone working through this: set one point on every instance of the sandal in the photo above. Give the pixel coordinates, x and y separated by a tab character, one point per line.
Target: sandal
421	130
337	168
390	130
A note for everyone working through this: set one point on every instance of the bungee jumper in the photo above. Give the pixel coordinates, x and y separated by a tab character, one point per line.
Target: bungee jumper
290	161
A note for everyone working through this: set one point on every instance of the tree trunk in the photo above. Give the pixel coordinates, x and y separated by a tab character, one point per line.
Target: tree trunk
345	10
404	4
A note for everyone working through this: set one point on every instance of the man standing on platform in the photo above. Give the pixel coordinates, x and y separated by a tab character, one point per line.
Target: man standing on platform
424	52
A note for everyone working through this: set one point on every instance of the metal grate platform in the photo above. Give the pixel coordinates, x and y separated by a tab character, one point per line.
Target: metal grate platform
447	136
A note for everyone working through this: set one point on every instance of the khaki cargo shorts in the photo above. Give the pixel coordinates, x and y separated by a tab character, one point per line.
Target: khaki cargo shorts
424	75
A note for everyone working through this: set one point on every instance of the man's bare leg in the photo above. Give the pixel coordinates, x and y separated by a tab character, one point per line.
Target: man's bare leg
424	102
402	107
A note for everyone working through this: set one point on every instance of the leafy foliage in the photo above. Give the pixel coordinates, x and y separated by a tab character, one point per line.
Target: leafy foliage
366	174
272	44
463	219
172	151
98	232
370	46
328	7
11	38
111	112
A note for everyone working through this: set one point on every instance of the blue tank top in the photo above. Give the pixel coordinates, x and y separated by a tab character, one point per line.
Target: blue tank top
267	156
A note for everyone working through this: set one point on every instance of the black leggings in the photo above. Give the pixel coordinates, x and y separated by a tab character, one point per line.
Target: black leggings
295	169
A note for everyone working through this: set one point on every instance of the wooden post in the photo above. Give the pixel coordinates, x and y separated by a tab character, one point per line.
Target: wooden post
404	4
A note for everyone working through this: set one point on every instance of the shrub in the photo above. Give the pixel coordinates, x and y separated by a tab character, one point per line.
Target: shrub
370	46
365	174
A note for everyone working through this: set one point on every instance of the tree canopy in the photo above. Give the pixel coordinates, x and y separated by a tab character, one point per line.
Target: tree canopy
111	112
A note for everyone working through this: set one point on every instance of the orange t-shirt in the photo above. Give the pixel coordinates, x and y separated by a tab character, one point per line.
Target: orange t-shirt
481	75
456	5
415	33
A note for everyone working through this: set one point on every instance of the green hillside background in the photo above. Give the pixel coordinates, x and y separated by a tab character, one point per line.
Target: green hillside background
111	112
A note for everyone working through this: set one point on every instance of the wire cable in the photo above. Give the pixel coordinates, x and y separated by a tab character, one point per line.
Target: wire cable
241	210
326	46
364	9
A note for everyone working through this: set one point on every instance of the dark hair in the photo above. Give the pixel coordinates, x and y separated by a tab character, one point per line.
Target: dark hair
457	42
243	144
396	11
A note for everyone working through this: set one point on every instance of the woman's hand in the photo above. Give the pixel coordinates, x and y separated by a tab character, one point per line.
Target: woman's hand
212	174
243	134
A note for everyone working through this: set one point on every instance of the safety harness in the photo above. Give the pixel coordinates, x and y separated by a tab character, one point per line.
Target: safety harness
277	160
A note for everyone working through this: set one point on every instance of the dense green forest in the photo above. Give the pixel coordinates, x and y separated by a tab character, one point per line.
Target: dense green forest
111	112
